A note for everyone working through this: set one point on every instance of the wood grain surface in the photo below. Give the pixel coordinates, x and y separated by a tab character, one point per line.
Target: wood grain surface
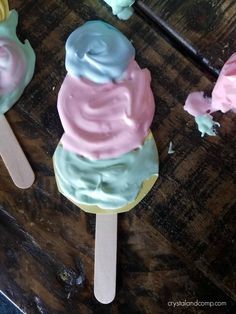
176	245
206	26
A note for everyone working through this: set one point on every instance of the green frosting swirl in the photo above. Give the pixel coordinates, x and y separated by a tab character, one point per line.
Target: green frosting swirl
107	183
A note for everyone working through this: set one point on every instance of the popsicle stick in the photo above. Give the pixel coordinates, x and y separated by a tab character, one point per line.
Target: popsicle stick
105	258
13	157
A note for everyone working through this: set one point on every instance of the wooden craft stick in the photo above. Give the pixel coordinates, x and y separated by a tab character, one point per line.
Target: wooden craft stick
105	258
13	157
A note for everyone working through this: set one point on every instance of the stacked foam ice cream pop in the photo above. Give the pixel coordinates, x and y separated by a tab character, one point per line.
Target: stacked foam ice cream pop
107	159
106	107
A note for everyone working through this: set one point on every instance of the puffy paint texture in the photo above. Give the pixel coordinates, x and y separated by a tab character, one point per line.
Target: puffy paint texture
98	51
108	184
121	8
17	63
223	99
12	65
106	120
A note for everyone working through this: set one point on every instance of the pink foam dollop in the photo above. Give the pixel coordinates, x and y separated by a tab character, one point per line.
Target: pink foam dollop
223	95
196	104
12	65
103	121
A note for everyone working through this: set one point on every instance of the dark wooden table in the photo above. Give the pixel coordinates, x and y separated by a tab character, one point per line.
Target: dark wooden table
178	244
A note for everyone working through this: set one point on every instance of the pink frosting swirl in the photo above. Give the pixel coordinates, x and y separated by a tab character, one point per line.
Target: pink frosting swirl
12	65
103	121
223	95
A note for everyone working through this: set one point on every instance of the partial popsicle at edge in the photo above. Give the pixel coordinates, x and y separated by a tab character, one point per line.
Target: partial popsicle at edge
17	63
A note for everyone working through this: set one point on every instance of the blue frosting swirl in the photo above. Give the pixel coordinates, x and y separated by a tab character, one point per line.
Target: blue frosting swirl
98	52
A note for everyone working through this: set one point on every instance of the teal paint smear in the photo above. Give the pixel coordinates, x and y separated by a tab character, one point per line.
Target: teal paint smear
206	124
106	183
121	8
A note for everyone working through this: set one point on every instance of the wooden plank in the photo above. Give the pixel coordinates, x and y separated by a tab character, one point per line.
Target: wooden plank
176	245
206	27
150	272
